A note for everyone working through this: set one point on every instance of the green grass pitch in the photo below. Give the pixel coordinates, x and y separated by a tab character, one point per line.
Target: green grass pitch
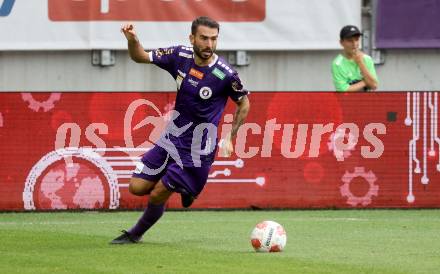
318	241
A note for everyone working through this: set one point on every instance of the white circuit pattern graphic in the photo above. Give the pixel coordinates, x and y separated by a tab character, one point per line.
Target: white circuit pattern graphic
37	105
128	165
373	190
413	111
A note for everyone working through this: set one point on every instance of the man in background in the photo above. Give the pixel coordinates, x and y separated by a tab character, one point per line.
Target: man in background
353	70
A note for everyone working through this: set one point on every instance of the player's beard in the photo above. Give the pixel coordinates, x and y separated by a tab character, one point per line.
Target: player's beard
204	55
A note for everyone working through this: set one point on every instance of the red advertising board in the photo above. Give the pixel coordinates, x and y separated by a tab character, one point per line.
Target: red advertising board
297	150
157	10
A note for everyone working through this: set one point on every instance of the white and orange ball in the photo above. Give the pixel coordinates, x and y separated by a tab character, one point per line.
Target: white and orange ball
268	236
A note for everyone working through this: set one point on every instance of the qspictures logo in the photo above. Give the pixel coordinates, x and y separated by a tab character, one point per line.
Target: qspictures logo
6	7
305	132
157	10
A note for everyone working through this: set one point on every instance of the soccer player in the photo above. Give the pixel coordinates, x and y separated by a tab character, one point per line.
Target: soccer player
352	70
181	159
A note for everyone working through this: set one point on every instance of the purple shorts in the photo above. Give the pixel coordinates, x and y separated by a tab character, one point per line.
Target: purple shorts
187	180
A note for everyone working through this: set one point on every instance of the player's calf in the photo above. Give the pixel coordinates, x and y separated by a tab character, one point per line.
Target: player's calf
159	194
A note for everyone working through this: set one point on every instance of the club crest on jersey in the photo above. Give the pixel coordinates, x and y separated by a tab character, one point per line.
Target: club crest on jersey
205	93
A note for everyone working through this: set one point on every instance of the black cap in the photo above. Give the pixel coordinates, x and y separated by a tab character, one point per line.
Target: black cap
349	31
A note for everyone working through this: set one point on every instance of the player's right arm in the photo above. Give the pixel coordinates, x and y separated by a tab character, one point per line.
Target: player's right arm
135	49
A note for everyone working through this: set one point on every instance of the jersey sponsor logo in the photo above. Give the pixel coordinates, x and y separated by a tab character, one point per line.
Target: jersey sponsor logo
219	73
198	74
205	93
186	55
193	82
155	10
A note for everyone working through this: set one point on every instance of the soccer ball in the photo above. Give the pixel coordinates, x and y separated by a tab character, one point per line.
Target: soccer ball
268	236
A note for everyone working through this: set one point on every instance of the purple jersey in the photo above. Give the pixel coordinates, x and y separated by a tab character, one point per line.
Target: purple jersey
202	93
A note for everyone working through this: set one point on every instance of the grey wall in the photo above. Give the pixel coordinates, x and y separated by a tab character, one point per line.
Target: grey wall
268	71
411	70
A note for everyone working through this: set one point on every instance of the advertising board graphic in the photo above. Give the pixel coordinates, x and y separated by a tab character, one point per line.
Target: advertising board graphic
296	150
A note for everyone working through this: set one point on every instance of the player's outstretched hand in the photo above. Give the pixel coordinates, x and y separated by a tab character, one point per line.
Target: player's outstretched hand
226	147
129	32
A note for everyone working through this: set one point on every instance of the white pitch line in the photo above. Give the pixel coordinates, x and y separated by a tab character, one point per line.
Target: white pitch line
59	222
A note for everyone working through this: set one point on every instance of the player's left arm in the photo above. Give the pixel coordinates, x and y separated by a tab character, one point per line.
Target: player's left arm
239	95
241	112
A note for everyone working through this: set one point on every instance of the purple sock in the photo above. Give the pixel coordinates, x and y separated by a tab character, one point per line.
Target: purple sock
150	216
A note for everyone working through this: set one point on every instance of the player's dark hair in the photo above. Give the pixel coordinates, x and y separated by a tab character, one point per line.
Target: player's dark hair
204	21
